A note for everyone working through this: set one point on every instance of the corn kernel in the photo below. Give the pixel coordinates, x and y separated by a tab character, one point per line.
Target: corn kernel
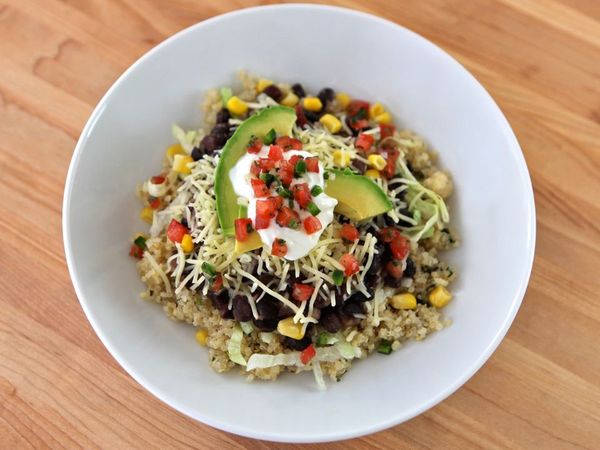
180	163
404	301
377	161
290	100
187	245
331	122
175	149
439	297
237	106
343	99
288	328
384	118
376	109
263	84
341	158
147	214
312	104
372	173
202	337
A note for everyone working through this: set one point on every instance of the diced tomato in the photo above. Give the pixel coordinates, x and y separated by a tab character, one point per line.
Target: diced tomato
350	264
266	164
265	208
364	142
302	194
217	283
357	107
176	231
259	187
388	234
286	173
312	164
302	292
400	247
154	203
386	130
279	248
300	116
277	201
136	251
394	269
349	232
390	169
275	153
255	145
294	159
242	228
312	225
288	143
158	179
255	168
287	217
262	222
307	354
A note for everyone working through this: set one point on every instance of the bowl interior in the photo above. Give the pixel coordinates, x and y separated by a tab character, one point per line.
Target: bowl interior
426	90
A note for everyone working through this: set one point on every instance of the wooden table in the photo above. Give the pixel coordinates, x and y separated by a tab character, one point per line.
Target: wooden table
541	62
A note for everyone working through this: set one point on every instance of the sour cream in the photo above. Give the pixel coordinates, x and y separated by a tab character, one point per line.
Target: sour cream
298	242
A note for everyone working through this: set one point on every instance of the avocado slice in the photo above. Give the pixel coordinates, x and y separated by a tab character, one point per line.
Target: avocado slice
252	243
359	198
279	118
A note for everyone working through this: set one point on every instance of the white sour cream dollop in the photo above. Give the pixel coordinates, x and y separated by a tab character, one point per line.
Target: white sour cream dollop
298	242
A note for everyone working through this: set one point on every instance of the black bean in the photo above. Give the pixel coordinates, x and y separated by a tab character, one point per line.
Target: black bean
357	297
220	301
266	324
223	116
241	309
354	132
285	312
392	282
220	138
220	128
184	222
372	281
330	320
410	269
326	95
209	144
268	307
378	259
273	91
351	308
298	90
312	116
322	302
360	166
197	153
403	223
297	344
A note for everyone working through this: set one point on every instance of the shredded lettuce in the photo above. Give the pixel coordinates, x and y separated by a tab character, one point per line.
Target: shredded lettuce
316	365
234	347
262	361
267	338
226	93
247	327
187	140
347	350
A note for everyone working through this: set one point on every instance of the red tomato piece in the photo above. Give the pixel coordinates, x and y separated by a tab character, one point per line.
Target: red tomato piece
255	168
136	251
286	173
388	234
243	227
308	354
386	130
262	222
390	169
364	142
302	292
277	201
266	164
275	153
357	107
294	159
288	143
302	194
400	247
287	217
394	269
154	203
300	116
158	179
176	231
255	145
350	264
349	232
312	164
312	225
279	248
359	124
259	187
265	208
217	283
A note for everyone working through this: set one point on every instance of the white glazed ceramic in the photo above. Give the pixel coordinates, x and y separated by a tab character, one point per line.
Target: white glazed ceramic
427	91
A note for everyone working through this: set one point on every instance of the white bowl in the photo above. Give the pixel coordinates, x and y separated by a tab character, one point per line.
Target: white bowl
427	91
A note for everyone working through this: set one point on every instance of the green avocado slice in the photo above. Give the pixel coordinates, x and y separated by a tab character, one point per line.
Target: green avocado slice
279	118
359	198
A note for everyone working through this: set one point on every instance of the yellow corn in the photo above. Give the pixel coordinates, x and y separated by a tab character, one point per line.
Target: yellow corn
237	106
375	110
147	214
288	328
341	158
202	337
331	122
404	301
372	173
290	100
263	84
377	161
180	163
343	99
175	149
439	297
187	245
384	118
312	104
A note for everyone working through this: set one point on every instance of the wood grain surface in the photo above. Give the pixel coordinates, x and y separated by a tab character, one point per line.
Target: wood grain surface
59	387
